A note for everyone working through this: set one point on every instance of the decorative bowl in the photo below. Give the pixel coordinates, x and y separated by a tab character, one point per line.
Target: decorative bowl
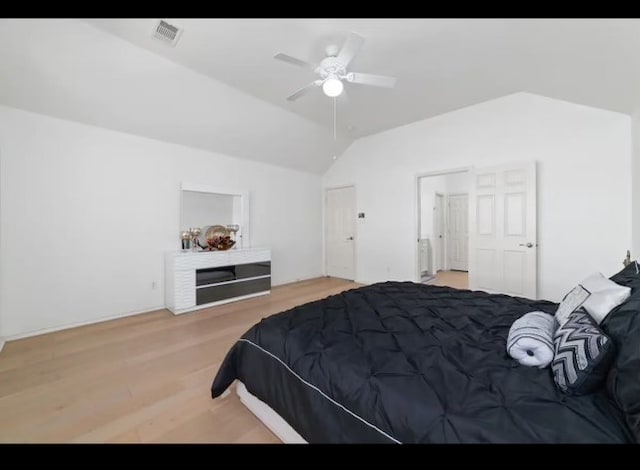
216	237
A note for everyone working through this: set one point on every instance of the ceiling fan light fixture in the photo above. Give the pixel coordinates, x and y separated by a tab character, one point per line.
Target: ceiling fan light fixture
333	70
332	87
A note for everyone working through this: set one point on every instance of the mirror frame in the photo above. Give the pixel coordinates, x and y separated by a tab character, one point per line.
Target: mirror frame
243	235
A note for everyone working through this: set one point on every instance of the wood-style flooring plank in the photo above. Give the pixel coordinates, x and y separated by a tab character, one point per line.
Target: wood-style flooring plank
138	379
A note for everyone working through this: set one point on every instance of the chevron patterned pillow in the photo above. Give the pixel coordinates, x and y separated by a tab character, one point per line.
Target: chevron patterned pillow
583	354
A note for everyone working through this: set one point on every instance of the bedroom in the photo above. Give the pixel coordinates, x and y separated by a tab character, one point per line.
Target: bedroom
100	125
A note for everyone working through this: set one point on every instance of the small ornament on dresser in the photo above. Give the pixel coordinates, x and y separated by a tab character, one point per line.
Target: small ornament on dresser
195	232
189	239
185	238
233	229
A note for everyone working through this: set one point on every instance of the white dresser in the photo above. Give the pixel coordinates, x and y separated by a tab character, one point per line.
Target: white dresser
195	280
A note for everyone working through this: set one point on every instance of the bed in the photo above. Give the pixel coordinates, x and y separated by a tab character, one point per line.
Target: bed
400	362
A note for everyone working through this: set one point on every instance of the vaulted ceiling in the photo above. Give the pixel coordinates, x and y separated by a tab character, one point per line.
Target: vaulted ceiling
220	89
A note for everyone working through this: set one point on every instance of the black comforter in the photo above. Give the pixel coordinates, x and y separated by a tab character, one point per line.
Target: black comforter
405	362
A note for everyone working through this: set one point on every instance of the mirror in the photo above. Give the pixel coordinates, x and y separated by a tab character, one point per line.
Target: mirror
201	205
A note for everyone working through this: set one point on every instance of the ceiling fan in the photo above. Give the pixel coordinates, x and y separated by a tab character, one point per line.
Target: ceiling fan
333	70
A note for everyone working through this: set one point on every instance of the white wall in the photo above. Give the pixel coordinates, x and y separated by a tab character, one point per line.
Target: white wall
584	182
635	174
88	213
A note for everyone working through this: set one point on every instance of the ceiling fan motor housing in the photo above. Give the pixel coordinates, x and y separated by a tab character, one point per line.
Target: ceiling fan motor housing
331	67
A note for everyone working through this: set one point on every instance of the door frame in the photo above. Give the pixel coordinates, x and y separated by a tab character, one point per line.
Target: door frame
418	211
325	227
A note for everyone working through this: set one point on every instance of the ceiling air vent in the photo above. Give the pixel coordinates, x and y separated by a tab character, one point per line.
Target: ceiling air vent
167	32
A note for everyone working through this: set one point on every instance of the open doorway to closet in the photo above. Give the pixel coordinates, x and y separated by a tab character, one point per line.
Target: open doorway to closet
443	228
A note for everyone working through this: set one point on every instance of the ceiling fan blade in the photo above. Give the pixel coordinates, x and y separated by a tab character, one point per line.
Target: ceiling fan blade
293	61
371	79
349	49
305	90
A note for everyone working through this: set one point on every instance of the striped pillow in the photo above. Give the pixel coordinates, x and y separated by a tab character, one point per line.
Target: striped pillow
583	354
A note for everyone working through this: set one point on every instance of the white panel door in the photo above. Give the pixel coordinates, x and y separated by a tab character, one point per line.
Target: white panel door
438	233
502	230
340	219
457	232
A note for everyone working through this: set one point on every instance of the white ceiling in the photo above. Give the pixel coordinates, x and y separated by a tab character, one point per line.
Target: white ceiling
72	70
220	89
441	64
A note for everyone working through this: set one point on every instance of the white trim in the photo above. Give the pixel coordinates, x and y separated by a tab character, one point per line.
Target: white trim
203	188
267	415
67	326
320	391
461	169
340	186
284	282
223	283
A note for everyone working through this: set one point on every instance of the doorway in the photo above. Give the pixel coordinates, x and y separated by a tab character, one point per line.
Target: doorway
443	215
496	251
340	232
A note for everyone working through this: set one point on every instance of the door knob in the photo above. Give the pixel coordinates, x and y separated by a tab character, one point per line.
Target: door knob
350	238
528	245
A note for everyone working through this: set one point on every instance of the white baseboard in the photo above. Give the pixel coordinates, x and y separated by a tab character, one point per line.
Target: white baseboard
284	282
1	344
67	326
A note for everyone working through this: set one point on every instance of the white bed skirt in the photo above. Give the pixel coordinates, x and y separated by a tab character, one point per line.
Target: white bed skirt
270	418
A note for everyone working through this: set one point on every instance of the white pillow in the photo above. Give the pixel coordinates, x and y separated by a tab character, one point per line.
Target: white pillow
605	296
571	302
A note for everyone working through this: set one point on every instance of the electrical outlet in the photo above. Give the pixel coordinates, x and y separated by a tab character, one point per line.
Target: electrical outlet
154	285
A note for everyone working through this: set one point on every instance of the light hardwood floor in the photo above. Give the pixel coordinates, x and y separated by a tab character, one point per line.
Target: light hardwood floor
457	279
144	378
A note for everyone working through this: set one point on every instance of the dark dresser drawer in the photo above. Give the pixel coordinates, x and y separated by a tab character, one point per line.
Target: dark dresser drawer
215	293
232	273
